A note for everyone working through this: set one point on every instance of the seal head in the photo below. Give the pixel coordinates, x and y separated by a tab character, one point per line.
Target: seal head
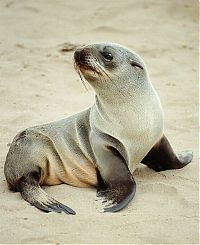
104	62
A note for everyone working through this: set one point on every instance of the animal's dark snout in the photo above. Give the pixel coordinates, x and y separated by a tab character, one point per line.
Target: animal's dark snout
81	56
77	54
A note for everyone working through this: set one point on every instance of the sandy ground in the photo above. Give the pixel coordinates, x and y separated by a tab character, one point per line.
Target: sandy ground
38	84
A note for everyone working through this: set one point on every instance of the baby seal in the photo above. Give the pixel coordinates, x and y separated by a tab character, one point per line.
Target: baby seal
101	146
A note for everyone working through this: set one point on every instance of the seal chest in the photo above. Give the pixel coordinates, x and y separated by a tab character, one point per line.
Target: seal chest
102	145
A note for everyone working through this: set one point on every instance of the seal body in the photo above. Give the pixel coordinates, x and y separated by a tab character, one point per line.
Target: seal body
61	149
101	146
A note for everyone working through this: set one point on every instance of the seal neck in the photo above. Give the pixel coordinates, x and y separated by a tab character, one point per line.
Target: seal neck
116	107
124	94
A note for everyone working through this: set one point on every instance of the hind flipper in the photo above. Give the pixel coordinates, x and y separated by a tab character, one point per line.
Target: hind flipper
48	204
162	157
33	193
52	205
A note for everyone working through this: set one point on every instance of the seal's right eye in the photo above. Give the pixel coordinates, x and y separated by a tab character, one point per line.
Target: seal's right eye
107	56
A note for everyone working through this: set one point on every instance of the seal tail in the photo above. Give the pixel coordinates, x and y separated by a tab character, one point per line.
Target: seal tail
33	193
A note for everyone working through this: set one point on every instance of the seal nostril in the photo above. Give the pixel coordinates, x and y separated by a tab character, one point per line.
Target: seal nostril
77	54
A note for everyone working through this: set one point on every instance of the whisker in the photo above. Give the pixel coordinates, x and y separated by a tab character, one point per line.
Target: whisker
103	70
80	75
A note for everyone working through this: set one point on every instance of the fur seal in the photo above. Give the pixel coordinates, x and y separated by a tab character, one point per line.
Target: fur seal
101	146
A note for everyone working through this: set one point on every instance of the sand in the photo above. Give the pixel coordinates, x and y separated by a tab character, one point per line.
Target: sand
38	84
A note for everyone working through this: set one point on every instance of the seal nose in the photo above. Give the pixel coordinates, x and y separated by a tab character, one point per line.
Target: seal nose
81	56
77	54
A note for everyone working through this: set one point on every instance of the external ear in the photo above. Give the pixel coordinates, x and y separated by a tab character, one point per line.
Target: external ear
133	63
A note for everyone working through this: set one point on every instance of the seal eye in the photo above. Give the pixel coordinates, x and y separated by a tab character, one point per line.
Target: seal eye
133	63
107	56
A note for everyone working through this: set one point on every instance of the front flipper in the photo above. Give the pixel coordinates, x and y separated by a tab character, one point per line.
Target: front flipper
115	195
116	185
162	157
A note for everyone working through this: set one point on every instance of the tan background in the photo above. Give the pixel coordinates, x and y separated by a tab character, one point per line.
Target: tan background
38	84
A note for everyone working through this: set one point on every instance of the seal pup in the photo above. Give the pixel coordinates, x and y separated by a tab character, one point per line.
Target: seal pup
101	146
